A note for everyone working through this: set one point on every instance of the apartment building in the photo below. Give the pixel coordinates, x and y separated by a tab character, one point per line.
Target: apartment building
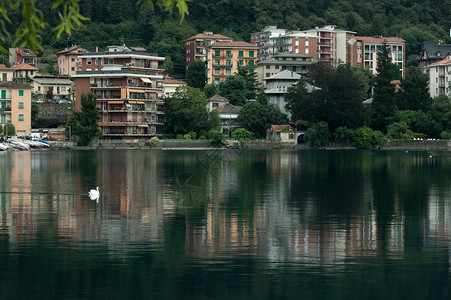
223	59
298	63
22	56
196	46
362	51
15	106
128	86
265	40
278	85
24	73
67	60
440	77
59	87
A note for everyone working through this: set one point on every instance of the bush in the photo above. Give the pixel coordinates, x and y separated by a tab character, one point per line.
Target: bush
342	133
9	129
193	135
446	135
154	141
318	134
364	138
179	137
399	130
187	136
215	137
240	134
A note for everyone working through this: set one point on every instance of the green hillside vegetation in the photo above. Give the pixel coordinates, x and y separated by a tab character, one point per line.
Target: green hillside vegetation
128	22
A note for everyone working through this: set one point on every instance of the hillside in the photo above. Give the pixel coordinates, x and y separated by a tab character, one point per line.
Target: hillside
126	22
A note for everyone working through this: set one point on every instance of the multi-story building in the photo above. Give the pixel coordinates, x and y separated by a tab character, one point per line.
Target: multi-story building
298	63
432	53
15	106
223	59
128	86
6	73
266	41
332	44
362	51
323	44
59	86
440	77
67	60
23	73
278	85
22	56
196	46
170	85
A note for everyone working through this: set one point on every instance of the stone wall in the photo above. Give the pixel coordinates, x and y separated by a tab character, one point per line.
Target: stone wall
55	111
416	145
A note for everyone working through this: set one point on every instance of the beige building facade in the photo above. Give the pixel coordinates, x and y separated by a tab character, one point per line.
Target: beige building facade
15	106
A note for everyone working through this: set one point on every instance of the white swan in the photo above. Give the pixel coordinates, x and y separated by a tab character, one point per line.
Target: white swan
94	194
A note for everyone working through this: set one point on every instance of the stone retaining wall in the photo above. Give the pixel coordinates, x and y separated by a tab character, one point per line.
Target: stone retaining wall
55	111
417	145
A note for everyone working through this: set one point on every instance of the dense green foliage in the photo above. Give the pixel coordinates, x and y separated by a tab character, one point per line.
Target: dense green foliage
9	129
336	99
128	22
83	125
186	111
197	74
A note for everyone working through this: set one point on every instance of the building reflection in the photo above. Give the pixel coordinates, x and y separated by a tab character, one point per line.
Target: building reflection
278	218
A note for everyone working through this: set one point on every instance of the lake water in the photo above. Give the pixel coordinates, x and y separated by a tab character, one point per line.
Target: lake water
225	225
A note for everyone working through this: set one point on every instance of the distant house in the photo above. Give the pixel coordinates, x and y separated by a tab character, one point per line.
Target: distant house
282	133
6	74
22	56
278	85
227	112
170	85
59	86
432	53
23	73
68	62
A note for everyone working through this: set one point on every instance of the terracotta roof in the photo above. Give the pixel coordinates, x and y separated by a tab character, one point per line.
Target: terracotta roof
3	67
170	80
379	39
445	61
280	128
10	84
218	98
73	48
24	67
233	44
213	36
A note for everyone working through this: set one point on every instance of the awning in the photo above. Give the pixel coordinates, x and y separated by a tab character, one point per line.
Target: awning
112	125
146	80
137	91
143	125
115	101
140	102
131	101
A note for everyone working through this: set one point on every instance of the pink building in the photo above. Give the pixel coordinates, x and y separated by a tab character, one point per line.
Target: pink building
68	62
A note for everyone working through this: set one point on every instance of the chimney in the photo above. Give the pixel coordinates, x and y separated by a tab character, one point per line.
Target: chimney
97	48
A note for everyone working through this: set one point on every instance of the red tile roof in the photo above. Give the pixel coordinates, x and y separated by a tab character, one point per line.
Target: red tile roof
280	128
209	36
442	62
73	48
233	44
24	67
379	39
3	67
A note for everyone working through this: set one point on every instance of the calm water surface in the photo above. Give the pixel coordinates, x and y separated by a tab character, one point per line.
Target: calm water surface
225	225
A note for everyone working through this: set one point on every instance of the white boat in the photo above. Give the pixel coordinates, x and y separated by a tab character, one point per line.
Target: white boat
19	145
3	147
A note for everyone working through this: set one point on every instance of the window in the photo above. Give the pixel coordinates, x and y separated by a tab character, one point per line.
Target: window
216	71
229	53
277	67
4	77
20	104
20	117
251	53
217	52
228	62
240	53
63	89
72	68
228	72
110	61
20	92
72	59
3	94
267	74
215	104
251	63
88	61
241	62
267	67
216	62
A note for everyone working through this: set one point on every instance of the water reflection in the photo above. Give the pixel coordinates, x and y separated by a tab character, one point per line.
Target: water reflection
301	210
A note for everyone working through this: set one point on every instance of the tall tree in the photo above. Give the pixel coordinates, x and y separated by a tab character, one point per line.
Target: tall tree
335	99
239	88
186	111
83	124
384	104
197	74
414	91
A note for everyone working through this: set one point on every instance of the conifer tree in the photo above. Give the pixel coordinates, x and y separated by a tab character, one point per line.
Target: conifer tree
384	102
